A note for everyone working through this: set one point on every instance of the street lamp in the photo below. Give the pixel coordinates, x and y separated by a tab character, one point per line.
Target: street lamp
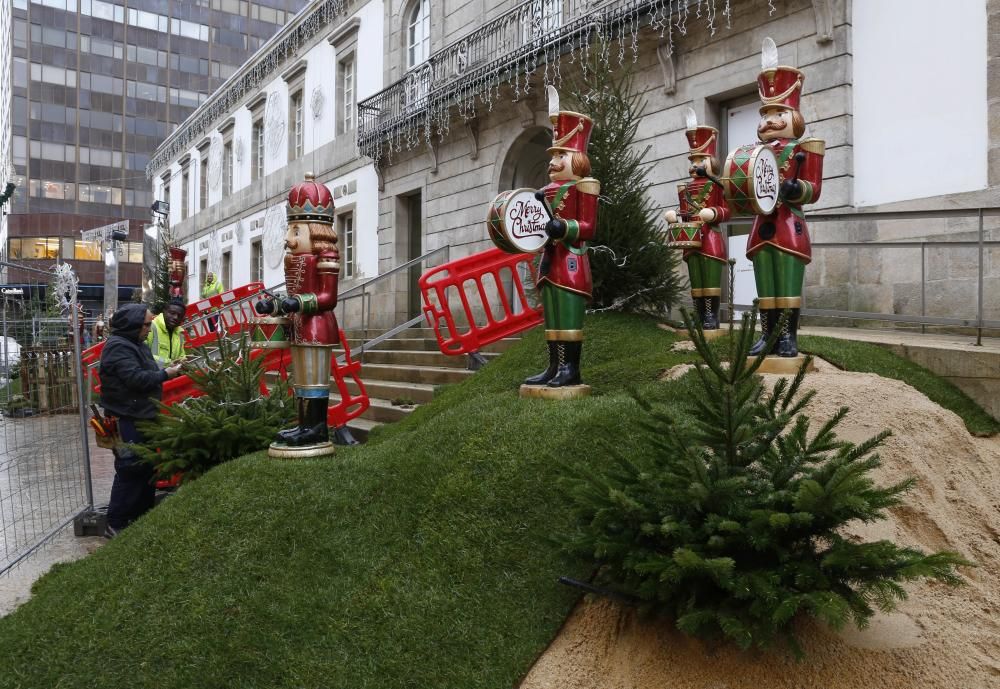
161	208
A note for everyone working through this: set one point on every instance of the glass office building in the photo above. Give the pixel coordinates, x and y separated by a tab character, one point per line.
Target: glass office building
97	85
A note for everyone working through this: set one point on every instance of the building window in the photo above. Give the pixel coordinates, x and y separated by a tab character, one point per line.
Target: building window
297	133
418	33
257	151
166	194
203	270
227	270
345	94
203	182
227	169
345	228
256	261
185	190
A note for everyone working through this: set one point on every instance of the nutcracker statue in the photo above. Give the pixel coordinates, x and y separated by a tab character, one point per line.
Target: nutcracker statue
564	281
694	226
779	241
305	317
178	271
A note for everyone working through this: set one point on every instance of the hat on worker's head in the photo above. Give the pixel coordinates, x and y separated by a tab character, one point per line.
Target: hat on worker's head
310	201
570	130
778	86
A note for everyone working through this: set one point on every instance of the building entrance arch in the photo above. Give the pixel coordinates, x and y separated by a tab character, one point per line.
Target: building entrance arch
527	163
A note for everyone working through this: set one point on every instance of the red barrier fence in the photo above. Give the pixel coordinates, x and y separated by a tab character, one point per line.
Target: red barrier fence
491	276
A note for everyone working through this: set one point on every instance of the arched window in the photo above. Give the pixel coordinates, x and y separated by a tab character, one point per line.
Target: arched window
418	32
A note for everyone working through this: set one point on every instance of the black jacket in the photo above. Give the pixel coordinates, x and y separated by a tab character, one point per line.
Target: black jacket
129	374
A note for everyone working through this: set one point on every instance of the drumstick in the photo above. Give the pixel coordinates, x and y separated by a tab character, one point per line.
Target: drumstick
702	172
540	196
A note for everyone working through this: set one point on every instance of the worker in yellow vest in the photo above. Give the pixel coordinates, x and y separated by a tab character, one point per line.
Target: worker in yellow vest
212	286
166	336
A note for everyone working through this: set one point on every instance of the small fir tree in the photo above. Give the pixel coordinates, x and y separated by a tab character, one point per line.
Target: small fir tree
639	273
732	523
232	418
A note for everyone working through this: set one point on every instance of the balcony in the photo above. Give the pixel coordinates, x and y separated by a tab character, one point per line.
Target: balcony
508	48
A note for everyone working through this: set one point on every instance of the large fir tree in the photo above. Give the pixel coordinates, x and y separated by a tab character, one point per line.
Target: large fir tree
631	266
732	523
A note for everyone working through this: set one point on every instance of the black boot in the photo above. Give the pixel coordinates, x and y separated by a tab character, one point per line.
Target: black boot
699	308
285	435
788	345
710	321
313	429
546	375
569	365
766	325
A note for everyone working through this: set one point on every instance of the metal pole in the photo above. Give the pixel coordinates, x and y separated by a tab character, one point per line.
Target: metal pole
979	328
84	421
923	286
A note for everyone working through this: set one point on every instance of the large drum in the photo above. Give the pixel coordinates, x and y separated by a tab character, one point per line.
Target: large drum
516	222
751	179
684	235
269	332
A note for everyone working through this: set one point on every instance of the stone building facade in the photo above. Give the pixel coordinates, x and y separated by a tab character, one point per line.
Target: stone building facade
289	110
873	91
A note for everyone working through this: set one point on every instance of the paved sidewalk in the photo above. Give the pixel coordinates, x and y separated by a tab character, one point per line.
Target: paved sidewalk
15	586
907	338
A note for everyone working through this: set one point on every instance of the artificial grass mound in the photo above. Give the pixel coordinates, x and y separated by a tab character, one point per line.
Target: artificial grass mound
423	559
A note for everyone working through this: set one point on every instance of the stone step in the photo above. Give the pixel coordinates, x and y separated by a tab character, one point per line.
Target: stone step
361	426
380	410
427	345
431	375
421	393
417	358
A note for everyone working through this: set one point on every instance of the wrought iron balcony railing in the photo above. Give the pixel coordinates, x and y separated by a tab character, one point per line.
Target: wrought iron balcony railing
509	42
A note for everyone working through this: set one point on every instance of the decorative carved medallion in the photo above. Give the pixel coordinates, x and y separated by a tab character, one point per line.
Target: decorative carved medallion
274	124
275	224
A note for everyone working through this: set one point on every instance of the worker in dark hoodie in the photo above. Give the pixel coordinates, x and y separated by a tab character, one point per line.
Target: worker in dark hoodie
130	381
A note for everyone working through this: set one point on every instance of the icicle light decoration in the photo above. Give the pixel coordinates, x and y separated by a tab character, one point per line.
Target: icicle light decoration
533	37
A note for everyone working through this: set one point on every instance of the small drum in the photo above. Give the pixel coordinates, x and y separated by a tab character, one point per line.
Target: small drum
751	179
684	235
516	222
268	332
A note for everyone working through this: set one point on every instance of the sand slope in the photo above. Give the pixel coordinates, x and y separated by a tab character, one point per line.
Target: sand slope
940	637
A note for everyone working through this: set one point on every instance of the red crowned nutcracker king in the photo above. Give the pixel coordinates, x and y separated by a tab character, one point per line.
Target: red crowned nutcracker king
694	226
312	266
779	241
564	280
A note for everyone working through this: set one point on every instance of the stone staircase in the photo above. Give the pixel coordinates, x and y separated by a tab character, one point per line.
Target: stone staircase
402	373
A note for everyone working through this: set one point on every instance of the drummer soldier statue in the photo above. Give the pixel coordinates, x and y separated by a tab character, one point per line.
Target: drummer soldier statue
312	266
779	243
702	200
564	280
178	271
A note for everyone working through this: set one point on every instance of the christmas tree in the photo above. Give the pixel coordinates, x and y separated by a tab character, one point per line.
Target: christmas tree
732	523
631	266
232	418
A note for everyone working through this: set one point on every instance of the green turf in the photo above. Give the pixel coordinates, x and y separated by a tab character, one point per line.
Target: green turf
423	559
859	356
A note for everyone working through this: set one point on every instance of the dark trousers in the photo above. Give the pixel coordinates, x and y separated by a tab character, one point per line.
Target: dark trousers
133	492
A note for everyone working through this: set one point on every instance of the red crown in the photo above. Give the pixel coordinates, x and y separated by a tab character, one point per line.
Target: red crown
780	87
702	141
310	201
177	254
570	131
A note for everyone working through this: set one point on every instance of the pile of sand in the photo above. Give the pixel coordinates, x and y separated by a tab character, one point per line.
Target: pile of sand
940	637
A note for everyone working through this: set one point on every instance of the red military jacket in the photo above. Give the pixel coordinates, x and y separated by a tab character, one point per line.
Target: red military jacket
785	228
704	193
564	262
312	279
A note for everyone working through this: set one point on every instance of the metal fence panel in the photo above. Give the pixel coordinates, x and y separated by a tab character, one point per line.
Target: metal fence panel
44	468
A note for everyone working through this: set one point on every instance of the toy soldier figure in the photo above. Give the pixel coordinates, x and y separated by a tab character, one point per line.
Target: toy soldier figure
779	242
702	201
312	267
178	271
564	280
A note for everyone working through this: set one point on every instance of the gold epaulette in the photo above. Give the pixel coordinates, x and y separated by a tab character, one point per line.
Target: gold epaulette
817	146
589	185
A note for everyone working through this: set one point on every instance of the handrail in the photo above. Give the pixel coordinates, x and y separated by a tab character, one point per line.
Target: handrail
411	262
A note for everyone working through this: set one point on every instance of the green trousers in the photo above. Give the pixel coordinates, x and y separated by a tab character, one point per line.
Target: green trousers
705	275
779	278
563	313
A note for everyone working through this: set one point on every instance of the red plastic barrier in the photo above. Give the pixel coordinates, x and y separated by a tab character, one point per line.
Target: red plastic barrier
454	275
